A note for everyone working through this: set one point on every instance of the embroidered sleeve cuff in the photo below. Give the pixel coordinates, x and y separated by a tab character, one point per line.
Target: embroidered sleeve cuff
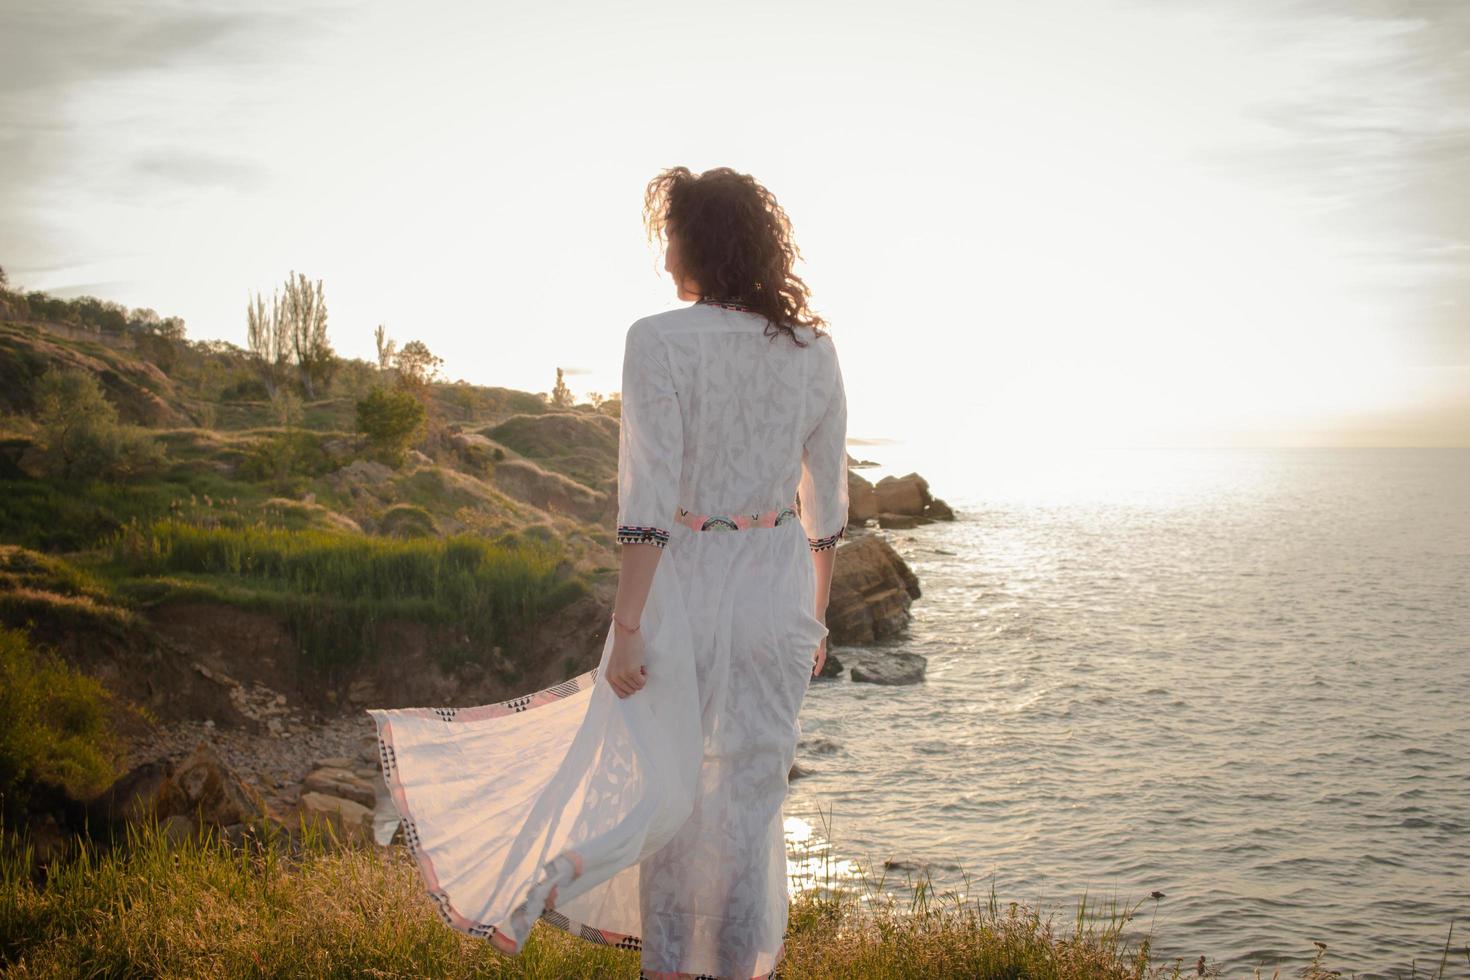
830	541
642	534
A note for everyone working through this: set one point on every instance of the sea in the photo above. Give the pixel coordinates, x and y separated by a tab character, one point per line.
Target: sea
1226	689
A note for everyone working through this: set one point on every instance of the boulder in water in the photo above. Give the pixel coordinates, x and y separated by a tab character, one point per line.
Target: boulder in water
903	494
831	667
891	668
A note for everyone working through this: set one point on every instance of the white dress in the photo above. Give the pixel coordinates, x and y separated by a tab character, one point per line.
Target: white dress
654	822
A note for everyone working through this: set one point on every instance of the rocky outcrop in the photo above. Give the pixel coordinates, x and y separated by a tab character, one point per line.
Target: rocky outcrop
862	499
903	494
905	501
939	510
350	822
831	667
341	781
203	785
890	668
197	790
872	589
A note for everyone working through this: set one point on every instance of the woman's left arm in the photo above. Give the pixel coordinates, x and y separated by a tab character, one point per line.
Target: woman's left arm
650	460
625	668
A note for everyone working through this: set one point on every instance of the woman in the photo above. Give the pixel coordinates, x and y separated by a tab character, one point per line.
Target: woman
639	804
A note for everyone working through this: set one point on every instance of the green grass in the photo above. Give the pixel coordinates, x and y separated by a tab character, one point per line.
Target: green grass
57	726
55	516
305	907
333	587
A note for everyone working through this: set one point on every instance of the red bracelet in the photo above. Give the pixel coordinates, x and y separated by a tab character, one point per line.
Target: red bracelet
625	627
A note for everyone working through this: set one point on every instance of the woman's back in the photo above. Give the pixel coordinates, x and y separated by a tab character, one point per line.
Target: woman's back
722	419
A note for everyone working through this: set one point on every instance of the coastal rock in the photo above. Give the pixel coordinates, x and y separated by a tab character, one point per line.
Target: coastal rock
342	783
872	589
819	745
938	510
350	821
831	667
862	499
899	522
891	668
907	494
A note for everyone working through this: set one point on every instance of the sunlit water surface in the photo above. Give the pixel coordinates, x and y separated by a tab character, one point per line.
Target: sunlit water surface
1239	678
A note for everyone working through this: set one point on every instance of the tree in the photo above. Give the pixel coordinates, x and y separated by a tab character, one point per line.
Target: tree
295	330
266	338
305	310
417	365
561	395
386	348
390	418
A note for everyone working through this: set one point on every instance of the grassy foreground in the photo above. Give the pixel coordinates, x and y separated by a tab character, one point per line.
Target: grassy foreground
310	909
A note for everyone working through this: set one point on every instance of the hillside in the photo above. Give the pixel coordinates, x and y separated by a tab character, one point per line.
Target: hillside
496	466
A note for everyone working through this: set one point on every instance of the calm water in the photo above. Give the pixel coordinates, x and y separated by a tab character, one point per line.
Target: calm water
1237	677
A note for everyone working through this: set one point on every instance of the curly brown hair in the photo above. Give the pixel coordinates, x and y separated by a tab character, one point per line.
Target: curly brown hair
734	240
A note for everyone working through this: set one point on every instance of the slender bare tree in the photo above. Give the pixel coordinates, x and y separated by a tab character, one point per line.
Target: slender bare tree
386	347
266	339
305	311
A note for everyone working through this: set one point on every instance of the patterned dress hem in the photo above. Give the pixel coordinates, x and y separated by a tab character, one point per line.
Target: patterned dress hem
565	867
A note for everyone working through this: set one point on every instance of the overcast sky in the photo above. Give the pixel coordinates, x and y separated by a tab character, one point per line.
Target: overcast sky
1032	224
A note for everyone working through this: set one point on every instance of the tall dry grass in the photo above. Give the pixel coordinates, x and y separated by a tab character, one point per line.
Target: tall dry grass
306	907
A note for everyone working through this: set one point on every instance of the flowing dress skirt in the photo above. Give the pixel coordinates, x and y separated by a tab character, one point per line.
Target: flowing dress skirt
652	822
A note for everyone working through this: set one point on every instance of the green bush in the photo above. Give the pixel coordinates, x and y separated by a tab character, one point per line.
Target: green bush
56	730
280	457
408	521
79	434
391	419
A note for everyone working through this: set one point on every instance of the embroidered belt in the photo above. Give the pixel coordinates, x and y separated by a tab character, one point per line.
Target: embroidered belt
648	534
734	522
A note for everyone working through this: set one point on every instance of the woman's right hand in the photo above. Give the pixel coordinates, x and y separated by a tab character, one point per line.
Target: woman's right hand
819	658
626	673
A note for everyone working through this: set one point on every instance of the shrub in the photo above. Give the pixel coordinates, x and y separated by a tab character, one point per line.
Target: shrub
285	455
391	419
247	389
79	434
408	521
56	731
